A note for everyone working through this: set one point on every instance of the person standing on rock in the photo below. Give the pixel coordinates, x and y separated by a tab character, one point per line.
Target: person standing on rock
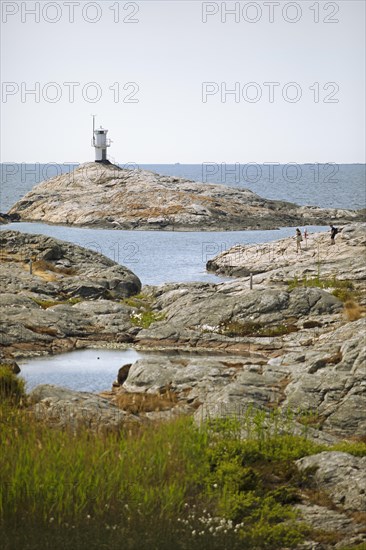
298	240
333	233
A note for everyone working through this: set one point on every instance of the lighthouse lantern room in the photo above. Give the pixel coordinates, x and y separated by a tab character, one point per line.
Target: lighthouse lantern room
100	143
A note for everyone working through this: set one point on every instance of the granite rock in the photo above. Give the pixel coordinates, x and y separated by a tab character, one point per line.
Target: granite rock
114	197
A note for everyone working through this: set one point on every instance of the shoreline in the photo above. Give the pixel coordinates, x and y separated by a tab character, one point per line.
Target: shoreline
154	230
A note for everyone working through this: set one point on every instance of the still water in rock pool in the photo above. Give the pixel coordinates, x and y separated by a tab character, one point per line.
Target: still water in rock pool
91	370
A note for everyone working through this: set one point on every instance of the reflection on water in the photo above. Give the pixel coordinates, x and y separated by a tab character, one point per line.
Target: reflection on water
91	370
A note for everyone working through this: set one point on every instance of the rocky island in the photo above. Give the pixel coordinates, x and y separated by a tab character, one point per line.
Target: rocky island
293	342
107	196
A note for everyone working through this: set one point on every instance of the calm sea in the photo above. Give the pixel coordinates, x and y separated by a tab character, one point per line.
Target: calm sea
325	185
159	257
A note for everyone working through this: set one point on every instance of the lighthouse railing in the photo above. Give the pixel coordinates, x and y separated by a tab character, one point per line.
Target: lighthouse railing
107	143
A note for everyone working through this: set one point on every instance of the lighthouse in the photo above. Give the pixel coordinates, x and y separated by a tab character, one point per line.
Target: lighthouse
100	143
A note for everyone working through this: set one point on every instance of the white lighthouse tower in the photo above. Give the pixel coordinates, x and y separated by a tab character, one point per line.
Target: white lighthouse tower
100	143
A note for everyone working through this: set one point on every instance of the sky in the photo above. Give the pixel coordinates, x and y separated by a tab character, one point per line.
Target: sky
184	81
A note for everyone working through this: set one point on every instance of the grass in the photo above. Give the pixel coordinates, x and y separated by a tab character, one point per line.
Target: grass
353	311
144	319
45	304
249	328
12	388
57	474
229	483
139	300
355	448
311	418
318	282
143	314
136	403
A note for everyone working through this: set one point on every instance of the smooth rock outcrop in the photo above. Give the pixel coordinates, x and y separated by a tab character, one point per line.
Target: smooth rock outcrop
346	534
278	261
109	196
72	295
62	407
233	317
341	475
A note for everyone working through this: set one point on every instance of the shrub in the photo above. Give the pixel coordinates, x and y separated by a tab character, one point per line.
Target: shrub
145	402
356	448
249	328
353	310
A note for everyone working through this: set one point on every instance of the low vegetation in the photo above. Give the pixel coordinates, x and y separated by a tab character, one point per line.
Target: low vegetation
249	328
143	314
137	403
45	304
343	289
353	310
144	319
229	483
12	388
334	283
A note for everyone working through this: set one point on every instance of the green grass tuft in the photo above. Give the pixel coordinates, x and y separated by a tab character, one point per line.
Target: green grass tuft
143	314
45	304
321	283
12	388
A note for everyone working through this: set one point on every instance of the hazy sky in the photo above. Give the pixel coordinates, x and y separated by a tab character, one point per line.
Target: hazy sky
158	73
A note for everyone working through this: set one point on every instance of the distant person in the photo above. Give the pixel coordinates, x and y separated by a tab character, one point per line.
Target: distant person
298	240
333	233
306	237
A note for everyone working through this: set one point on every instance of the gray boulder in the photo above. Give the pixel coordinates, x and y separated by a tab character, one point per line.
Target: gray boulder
341	475
63	407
